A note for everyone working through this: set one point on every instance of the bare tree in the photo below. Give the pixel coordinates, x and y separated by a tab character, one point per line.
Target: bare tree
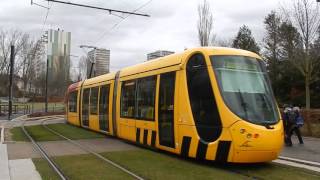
82	68
305	16
32	55
205	24
223	42
8	38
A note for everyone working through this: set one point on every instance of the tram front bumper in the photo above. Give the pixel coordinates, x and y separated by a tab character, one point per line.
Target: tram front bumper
256	143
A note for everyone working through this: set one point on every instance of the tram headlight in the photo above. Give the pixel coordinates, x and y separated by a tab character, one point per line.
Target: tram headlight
242	131
249	135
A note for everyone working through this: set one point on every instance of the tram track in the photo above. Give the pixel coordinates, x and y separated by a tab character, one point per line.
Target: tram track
59	170
89	150
43	153
78	145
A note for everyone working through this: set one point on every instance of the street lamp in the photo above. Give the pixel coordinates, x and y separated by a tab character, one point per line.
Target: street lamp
94	57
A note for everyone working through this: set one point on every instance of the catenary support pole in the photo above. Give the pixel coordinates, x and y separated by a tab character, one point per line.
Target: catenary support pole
10	81
47	75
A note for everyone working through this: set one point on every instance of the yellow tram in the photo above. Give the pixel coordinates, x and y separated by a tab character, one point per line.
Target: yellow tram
204	103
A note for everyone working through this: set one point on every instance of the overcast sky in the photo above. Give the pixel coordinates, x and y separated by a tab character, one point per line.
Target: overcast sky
172	25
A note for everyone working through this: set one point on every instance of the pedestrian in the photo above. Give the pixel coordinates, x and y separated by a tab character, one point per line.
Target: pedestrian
289	121
299	123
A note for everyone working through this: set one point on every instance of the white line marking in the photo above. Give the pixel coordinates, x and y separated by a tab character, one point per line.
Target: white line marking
289	163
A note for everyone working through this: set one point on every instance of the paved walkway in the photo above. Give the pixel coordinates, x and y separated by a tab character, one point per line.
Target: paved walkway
22	169
4	163
309	151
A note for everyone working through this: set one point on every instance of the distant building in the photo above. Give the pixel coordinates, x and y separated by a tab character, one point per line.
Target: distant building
58	54
101	59
158	54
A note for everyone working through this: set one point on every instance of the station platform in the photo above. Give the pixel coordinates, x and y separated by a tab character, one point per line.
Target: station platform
309	151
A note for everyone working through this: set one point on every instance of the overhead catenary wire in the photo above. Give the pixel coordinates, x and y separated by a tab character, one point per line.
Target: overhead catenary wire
47	14
99	8
116	24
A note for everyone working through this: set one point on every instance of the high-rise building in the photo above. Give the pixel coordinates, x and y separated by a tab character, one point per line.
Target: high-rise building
101	59
157	54
58	54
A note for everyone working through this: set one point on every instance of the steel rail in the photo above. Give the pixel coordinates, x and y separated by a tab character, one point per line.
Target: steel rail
54	166
87	149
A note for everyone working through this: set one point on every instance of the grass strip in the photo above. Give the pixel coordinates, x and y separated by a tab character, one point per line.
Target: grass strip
156	165
82	167
44	169
74	132
39	133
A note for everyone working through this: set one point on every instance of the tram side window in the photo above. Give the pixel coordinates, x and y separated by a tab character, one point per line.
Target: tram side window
94	100
73	101
128	96
85	107
146	91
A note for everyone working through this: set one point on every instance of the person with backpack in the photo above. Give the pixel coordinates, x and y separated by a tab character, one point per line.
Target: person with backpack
298	123
289	121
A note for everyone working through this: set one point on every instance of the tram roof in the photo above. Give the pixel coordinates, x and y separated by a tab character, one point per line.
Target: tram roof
170	60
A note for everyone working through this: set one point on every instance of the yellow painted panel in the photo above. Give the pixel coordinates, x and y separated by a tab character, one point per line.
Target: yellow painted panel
213	147
254	156
256	137
190	131
73	118
94	122
145	124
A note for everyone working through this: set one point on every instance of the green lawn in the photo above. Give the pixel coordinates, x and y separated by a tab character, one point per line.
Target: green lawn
154	165
44	169
18	135
85	167
41	105
39	133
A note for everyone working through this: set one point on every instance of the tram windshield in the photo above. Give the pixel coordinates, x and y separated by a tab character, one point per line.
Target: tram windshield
245	88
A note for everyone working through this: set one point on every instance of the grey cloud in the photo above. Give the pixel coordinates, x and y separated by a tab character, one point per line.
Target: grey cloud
172	25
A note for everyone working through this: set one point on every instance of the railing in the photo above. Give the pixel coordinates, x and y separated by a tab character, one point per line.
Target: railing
16	108
31	108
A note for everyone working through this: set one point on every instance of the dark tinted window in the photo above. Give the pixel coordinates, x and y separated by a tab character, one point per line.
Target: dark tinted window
73	101
94	100
85	107
204	108
166	109
104	108
146	91
128	96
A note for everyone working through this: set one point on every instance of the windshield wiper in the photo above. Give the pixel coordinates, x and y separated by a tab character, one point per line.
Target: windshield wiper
267	124
243	104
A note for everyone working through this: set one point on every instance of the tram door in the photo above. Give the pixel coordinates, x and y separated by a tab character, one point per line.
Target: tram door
85	107
166	109
104	108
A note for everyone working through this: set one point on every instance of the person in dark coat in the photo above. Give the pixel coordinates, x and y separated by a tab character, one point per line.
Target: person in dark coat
298	123
288	124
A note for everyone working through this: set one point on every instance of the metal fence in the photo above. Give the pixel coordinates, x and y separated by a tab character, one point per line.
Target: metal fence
30	108
16	108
